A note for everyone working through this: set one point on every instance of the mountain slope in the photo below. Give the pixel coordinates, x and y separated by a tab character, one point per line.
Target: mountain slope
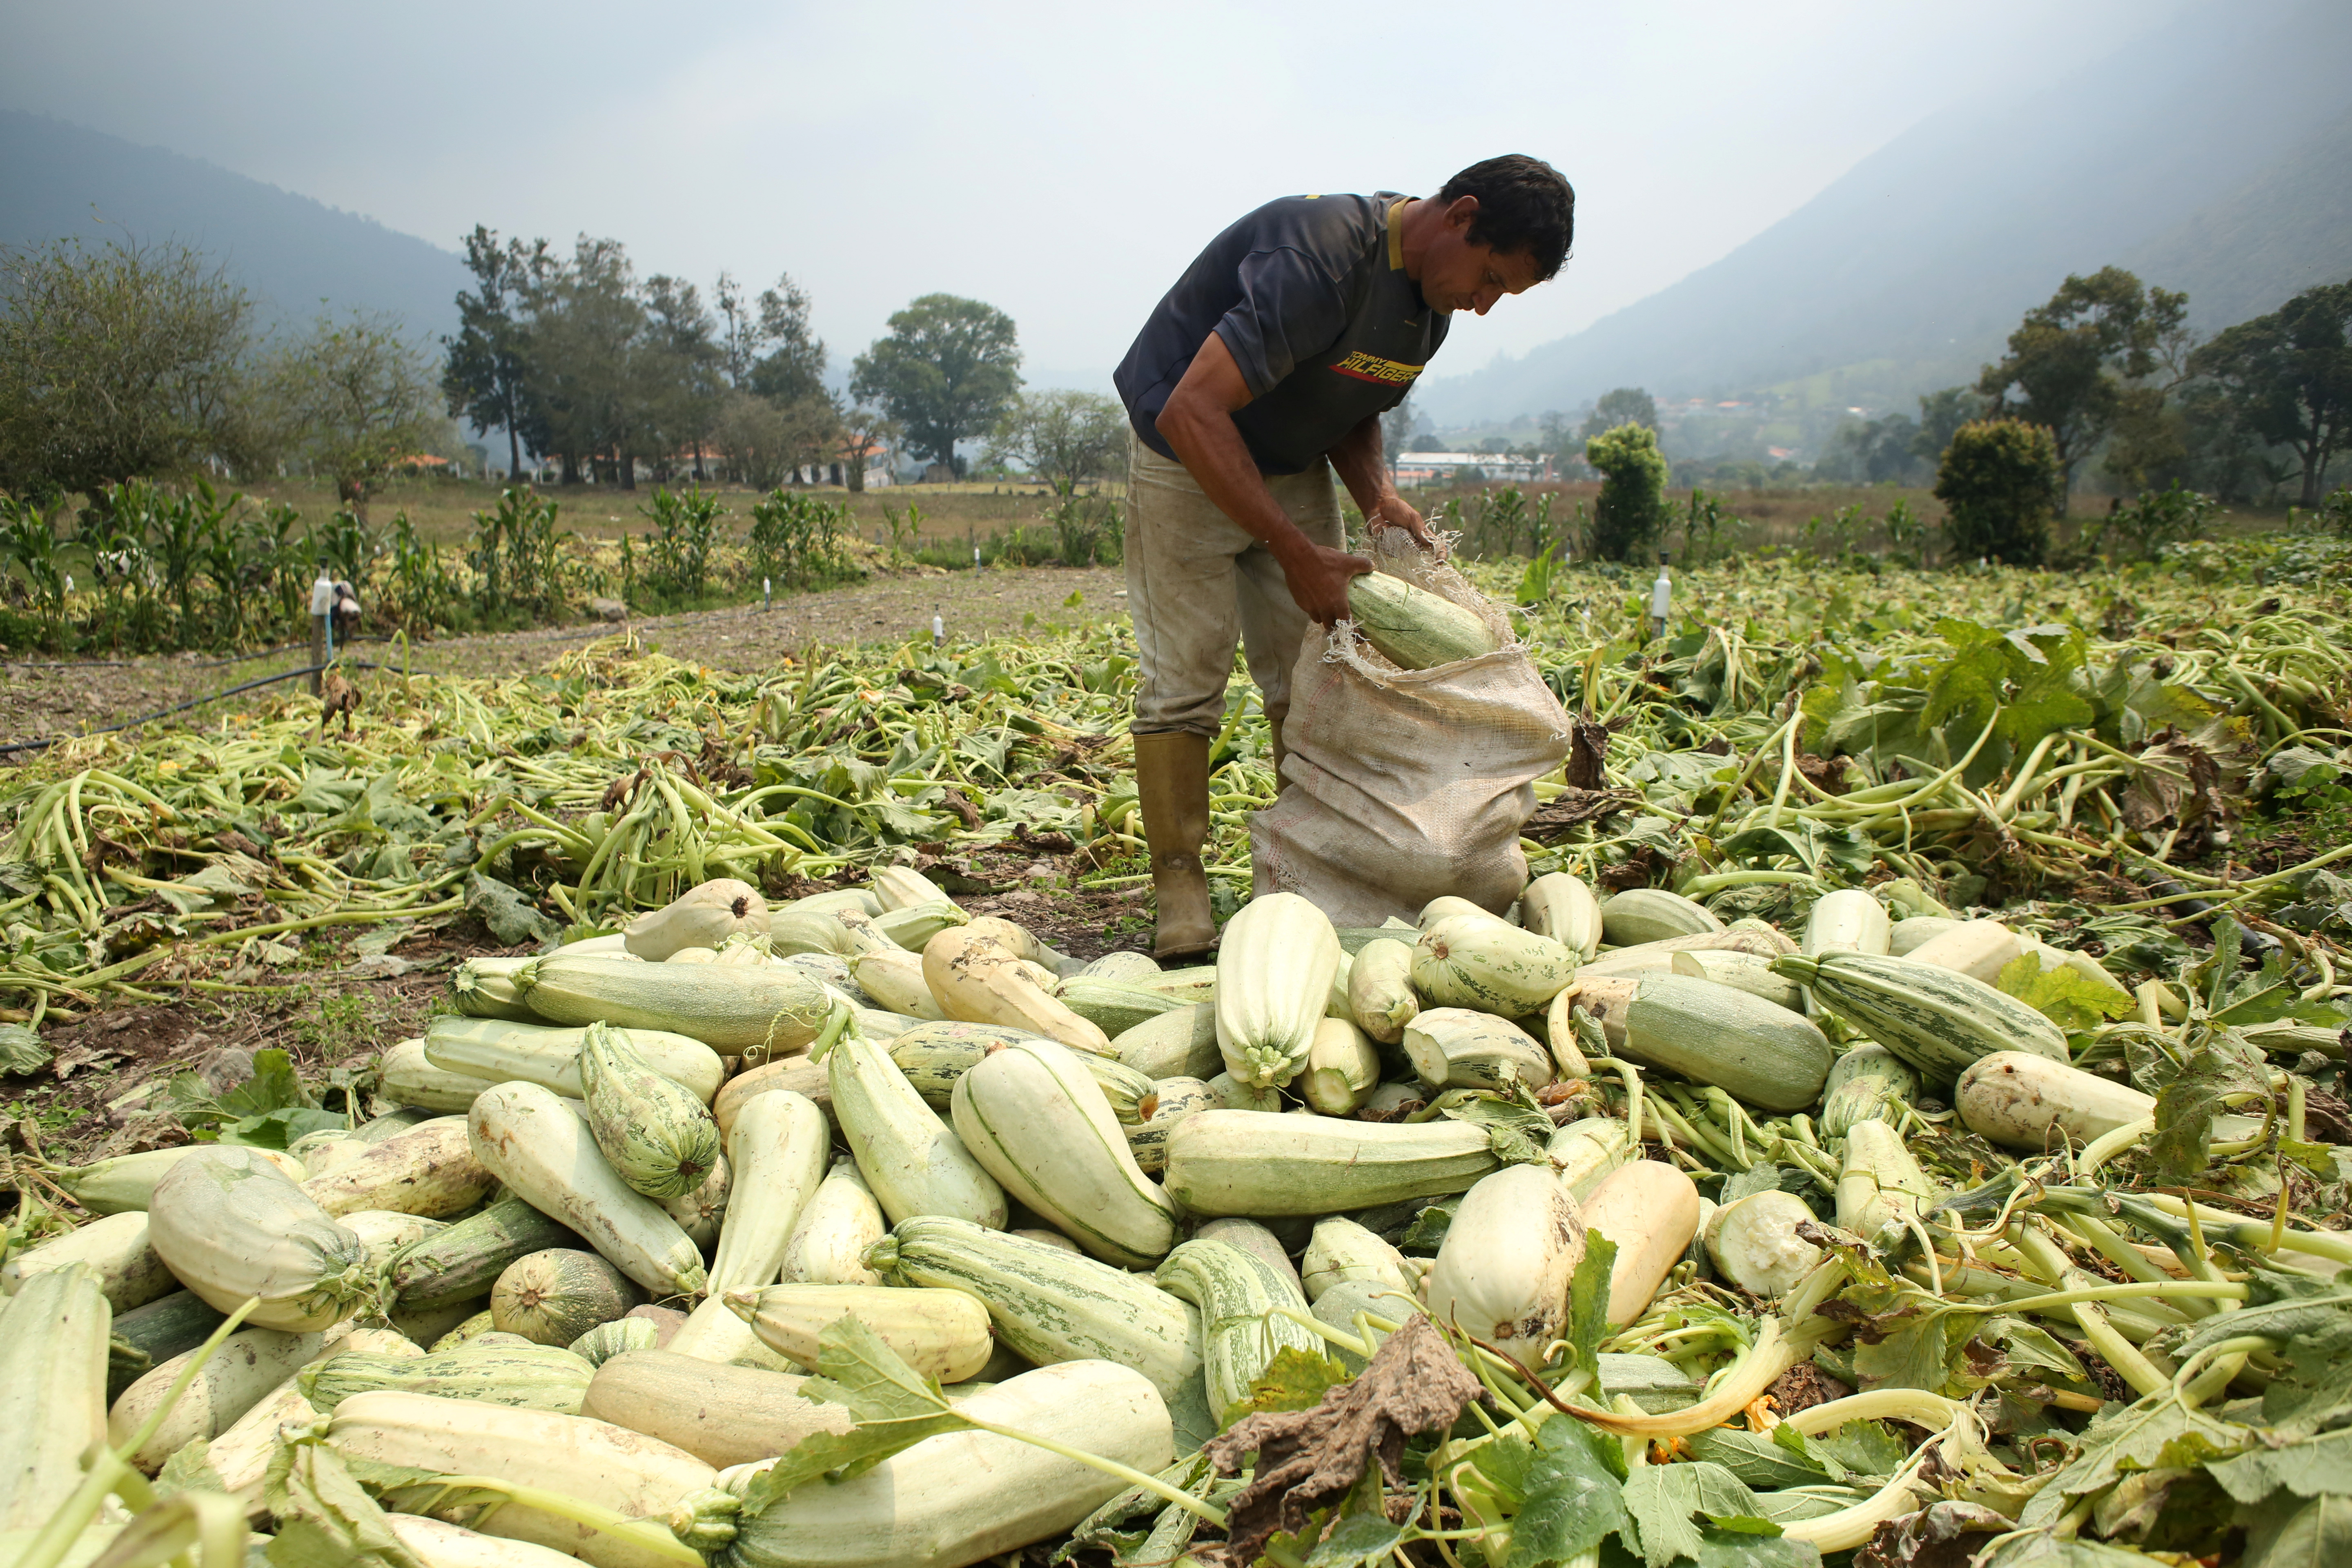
59	180
2185	152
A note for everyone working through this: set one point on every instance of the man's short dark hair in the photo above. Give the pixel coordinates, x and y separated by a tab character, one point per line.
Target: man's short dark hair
1525	207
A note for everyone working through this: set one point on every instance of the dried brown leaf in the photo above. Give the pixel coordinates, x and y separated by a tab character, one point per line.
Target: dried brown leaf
1310	1459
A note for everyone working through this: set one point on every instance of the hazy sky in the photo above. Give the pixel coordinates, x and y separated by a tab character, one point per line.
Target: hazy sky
1062	162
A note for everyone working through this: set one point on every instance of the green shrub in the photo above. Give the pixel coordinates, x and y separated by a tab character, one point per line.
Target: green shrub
2000	484
2159	518
1631	511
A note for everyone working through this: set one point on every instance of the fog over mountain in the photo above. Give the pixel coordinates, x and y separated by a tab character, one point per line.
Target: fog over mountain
2209	157
289	252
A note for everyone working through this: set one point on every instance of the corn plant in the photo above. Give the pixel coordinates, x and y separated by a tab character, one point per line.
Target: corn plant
796	539
1087	529
28	550
517	556
683	539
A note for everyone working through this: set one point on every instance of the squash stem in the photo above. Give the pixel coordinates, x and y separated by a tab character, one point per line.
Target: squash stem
1112	1468
648	1535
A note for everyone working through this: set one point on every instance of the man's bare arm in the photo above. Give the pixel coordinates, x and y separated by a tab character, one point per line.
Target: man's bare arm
1363	467
1197	423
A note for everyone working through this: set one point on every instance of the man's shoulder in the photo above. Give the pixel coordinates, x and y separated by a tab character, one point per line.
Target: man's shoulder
1321	222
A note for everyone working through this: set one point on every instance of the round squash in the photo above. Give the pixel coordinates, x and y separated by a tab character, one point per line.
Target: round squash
552	1298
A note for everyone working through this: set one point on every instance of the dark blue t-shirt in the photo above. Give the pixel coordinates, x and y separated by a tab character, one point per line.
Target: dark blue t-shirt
1310	296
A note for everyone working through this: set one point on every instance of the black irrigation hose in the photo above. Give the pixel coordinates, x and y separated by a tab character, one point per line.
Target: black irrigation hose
200	701
2172	892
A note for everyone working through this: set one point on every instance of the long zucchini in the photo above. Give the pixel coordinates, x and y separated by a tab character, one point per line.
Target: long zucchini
1047	1304
548	1054
965	1497
541	1148
1248	1162
53	1334
1937	1019
743	1010
776	1154
463	1261
1035	1120
1236	1292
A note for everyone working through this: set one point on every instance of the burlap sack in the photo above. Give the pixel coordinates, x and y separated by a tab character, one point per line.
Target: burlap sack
1407	784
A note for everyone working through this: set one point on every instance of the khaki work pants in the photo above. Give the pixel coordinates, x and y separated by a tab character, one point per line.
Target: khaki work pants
1197	583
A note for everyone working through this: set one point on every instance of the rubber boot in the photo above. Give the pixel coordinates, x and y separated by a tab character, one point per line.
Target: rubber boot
1171	782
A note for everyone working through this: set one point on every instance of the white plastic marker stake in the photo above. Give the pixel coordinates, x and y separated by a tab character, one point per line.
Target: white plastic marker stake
323	604
938	630
1662	598
766	593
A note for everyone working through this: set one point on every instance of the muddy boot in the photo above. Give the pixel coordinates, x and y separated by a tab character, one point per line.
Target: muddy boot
1171	782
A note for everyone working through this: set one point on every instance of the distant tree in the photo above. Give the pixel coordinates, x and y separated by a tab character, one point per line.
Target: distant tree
865	430
589	328
1625	406
1396	431
684	365
486	373
764	443
2286	378
1940	415
119	363
353	398
2000	481
791	366
2072	362
740	339
947	371
1870	451
1632	509
1063	437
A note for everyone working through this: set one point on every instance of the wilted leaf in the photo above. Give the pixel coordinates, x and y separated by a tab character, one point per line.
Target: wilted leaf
325	1518
514	920
22	1049
1308	1460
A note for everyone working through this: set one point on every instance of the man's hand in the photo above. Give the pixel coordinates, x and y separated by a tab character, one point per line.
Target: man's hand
1397	512
1319	576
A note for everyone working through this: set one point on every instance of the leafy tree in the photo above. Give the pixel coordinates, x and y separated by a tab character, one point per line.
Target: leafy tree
2286	378
589	331
1632	509
685	368
947	371
2000	481
119	363
792	365
485	377
1873	451
865	430
739	341
1396	430
1940	415
1625	406
2072	362
352	399
1062	438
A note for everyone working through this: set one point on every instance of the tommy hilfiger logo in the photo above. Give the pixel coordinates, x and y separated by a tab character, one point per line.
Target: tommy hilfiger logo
1372	367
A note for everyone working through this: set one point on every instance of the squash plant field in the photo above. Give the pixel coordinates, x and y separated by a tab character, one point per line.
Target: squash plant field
1903	1121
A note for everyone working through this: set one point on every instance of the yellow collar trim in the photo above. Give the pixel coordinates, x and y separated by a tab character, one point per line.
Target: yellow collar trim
1396	235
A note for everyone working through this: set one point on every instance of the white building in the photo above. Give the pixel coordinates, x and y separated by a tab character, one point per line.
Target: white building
1444	467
